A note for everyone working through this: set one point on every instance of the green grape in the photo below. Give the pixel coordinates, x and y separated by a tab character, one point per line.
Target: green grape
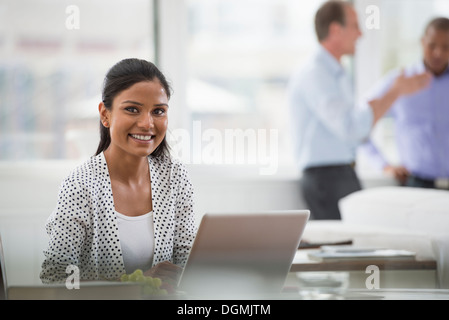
163	292
138	272
124	278
149	281
140	278
157	282
150	285
132	277
148	290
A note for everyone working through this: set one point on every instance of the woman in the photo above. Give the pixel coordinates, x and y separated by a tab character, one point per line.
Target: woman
131	205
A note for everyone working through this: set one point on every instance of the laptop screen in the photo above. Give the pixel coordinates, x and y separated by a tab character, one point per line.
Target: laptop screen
243	253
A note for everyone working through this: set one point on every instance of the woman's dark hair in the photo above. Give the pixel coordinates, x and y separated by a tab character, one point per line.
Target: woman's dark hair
122	76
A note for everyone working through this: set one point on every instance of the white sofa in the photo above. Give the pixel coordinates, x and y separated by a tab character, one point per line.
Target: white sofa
394	217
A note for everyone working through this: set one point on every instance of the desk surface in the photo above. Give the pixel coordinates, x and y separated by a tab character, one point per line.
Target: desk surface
397	294
302	263
109	292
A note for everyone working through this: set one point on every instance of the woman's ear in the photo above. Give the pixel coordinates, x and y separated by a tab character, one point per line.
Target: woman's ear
104	114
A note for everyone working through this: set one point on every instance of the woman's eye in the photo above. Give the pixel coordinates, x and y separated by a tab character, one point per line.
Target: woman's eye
159	112
132	109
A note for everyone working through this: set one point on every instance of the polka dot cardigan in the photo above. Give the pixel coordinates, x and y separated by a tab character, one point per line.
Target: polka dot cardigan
83	227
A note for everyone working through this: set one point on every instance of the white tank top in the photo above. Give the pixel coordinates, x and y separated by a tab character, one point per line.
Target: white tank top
136	240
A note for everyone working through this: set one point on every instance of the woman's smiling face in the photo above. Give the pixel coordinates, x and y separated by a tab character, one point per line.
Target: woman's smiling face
138	118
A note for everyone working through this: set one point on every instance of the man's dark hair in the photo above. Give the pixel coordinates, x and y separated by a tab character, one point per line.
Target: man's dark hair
329	12
439	23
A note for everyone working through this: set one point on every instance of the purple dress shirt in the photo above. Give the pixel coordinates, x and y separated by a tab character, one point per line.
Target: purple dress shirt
421	126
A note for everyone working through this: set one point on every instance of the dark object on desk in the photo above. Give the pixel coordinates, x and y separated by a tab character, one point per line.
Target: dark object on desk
3	282
304	244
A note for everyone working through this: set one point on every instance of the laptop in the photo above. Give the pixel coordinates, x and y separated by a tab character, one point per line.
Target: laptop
242	254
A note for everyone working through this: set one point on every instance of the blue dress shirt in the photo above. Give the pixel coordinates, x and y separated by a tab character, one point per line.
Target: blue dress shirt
327	125
421	123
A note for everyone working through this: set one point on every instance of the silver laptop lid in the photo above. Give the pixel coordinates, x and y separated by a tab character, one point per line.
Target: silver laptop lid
243	253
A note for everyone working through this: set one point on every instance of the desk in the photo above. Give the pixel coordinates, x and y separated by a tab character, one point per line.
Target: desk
393	273
398	294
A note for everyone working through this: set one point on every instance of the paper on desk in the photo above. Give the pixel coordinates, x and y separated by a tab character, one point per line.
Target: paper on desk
333	253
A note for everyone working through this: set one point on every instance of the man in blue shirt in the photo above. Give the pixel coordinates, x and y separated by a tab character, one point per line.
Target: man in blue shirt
421	119
326	123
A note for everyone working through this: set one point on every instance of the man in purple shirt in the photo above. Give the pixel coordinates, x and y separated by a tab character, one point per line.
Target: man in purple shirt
422	119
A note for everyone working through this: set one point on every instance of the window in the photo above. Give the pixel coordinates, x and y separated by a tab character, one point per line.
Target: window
239	55
229	62
54	55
